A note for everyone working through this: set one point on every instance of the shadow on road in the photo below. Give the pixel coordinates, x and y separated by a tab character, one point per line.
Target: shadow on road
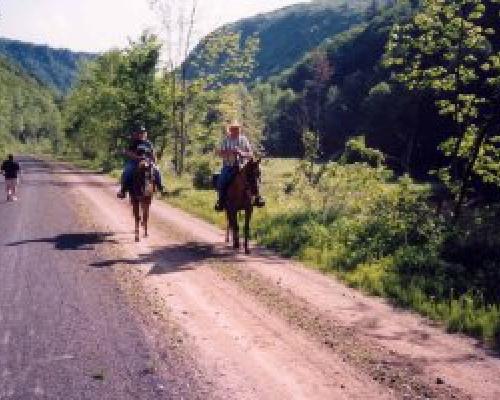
55	183
174	258
72	241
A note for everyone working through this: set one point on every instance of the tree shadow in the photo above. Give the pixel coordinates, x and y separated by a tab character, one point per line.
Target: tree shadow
173	258
72	241
55	183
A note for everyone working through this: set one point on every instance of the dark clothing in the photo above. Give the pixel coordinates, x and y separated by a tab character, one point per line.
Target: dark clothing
143	148
128	175
11	169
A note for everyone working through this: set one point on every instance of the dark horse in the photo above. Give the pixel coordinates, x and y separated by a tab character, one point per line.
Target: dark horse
141	194
239	197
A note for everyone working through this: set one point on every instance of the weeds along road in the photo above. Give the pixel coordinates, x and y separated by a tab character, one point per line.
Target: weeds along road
87	313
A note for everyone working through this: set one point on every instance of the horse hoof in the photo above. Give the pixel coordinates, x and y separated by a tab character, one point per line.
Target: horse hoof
137	239
247	251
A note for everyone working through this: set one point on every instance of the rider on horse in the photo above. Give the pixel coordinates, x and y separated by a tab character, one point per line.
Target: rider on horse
139	148
234	150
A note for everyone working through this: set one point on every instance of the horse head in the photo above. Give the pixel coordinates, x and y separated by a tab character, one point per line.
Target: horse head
144	179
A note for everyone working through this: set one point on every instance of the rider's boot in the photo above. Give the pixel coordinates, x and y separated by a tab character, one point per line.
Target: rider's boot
259	201
219	206
122	193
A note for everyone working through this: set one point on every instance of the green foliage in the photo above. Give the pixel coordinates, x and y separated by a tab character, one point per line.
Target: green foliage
28	111
357	152
56	68
311	143
223	57
447	48
114	93
353	98
202	173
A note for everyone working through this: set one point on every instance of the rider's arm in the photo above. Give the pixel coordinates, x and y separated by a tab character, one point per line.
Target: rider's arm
246	150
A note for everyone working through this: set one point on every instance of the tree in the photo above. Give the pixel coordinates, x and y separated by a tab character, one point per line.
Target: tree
178	21
115	92
446	48
310	141
187	96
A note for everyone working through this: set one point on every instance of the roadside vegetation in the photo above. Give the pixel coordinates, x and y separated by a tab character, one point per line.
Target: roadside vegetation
379	233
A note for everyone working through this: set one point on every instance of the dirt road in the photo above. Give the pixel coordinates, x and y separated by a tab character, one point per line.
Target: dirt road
181	316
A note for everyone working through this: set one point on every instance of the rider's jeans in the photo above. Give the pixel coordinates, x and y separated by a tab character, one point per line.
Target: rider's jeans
128	174
225	177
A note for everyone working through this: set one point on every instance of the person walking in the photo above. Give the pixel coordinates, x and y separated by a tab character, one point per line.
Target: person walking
10	169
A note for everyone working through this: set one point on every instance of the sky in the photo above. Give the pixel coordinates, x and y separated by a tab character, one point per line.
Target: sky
99	25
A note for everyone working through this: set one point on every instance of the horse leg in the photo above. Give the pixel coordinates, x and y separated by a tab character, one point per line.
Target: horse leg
137	217
145	215
236	231
248	217
228	230
229	226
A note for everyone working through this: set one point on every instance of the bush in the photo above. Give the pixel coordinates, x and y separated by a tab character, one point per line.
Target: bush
357	152
202	174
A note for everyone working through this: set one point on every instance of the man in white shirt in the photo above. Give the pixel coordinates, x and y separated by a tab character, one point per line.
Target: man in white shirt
234	150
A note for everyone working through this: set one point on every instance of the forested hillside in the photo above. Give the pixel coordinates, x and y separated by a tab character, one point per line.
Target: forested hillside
28	111
341	90
287	34
57	68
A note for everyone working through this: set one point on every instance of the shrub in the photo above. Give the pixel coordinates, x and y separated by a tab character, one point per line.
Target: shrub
202	174
357	152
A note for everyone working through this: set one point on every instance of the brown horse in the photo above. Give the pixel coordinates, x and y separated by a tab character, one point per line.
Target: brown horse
141	195
239	197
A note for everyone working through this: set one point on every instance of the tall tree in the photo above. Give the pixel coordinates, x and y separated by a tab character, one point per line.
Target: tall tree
178	21
446	48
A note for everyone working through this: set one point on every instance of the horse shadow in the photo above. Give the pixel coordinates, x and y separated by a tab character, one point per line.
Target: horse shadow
72	241
173	258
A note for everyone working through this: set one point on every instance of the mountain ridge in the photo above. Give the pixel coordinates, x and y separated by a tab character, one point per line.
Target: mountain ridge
56	68
307	24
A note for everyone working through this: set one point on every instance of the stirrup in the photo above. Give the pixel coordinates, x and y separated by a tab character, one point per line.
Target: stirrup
219	206
259	202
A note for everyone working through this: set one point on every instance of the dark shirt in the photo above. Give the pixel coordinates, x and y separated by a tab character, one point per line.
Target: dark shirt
143	148
11	169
